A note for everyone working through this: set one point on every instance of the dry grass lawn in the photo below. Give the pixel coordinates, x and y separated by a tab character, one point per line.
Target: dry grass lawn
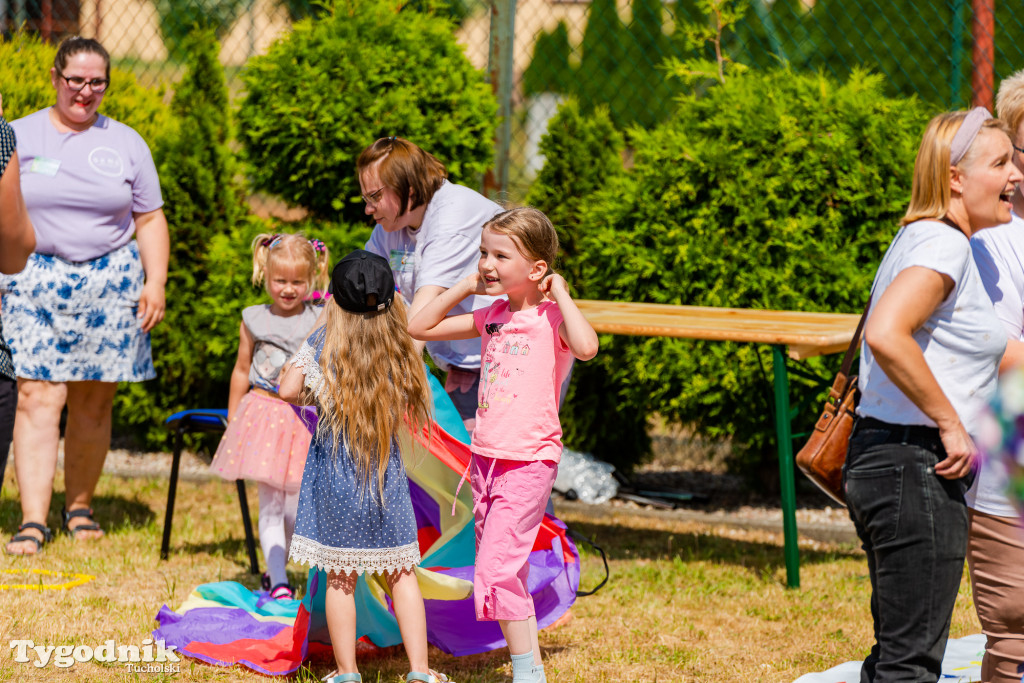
685	602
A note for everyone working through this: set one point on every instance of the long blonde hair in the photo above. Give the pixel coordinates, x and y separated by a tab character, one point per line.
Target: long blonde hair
373	382
312	255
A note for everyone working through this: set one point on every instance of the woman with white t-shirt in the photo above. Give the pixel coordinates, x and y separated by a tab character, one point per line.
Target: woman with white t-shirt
429	230
995	548
929	360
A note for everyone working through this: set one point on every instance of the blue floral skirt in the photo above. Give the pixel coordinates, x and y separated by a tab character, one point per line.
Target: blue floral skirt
75	321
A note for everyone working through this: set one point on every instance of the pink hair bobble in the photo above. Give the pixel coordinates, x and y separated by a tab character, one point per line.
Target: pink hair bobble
318	246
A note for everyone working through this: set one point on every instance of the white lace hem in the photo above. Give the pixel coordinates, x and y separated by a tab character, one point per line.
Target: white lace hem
347	560
305	360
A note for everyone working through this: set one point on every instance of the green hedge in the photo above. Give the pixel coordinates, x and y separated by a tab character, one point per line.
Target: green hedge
331	87
774	190
204	206
209	279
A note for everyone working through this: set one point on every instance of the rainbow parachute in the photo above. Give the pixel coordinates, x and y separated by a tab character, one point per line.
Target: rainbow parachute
226	623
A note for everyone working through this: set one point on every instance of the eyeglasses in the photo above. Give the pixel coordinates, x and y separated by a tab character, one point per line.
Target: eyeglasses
1019	149
374	197
77	83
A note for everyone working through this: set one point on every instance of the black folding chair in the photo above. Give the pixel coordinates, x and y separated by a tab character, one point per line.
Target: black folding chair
210	421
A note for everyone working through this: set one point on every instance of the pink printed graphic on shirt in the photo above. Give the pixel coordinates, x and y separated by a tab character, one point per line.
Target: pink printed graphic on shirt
524	364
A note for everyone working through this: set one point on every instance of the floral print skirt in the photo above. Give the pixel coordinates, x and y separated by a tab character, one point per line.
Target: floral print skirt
71	321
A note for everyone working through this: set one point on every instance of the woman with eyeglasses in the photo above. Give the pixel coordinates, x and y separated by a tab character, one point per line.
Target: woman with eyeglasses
429	229
80	313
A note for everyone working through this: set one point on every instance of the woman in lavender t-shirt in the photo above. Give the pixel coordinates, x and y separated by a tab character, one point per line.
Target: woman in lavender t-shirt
78	316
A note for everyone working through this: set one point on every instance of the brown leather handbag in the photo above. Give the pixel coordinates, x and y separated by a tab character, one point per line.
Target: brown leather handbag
822	457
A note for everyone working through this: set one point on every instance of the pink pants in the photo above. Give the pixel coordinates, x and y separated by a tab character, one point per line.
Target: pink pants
509	497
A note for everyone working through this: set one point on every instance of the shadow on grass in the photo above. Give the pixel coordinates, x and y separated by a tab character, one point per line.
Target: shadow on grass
622	541
113	513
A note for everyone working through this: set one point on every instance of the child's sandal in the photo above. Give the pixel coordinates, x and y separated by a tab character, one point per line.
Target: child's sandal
429	677
343	678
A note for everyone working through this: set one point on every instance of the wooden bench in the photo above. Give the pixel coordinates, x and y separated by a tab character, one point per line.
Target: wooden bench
795	334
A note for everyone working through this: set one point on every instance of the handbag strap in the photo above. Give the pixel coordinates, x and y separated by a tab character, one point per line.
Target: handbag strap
841	385
855	342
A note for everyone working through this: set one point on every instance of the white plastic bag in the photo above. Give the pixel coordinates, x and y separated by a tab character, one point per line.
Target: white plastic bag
582	477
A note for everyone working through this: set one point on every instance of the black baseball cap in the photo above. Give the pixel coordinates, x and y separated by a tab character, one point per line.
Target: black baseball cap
362	283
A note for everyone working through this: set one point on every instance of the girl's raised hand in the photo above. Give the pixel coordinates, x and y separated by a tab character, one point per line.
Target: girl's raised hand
473	284
553	284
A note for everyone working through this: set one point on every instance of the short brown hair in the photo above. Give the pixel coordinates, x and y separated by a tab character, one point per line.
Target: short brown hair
404	167
930	192
72	45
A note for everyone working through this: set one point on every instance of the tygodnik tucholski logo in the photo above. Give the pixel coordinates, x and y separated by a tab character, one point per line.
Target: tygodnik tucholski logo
150	657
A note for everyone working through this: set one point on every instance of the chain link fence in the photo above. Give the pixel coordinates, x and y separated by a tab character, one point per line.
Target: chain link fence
608	52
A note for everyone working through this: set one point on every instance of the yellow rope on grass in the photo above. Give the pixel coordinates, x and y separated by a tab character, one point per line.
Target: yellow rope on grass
76	580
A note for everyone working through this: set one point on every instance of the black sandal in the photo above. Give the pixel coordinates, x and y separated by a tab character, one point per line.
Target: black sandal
20	537
91	525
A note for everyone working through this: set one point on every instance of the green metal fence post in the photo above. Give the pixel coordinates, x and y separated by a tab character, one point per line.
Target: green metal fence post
785	446
20	13
956	82
500	68
764	13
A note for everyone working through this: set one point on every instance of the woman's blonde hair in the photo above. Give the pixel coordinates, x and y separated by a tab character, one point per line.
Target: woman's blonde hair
374	384
294	248
531	231
930	192
1010	102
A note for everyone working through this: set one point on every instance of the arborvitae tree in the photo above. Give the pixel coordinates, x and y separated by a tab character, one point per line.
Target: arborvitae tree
179	18
549	69
645	92
197	169
369	69
582	153
603	50
583	156
202	200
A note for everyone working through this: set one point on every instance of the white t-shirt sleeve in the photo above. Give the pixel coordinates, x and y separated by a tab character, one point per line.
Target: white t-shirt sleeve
446	259
937	247
995	253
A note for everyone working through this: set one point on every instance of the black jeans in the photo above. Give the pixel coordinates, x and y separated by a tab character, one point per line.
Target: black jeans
913	526
8	406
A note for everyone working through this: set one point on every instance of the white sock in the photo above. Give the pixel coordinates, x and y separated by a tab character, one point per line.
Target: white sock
522	668
272	532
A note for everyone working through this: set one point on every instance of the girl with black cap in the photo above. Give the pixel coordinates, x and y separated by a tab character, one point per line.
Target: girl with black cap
355	515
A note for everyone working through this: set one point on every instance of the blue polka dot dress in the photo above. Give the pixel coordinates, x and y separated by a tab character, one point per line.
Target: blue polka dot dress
340	526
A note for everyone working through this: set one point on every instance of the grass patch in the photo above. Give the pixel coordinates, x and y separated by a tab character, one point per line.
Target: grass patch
686	601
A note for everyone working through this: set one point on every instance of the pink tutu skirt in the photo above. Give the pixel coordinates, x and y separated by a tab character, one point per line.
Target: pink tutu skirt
266	441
